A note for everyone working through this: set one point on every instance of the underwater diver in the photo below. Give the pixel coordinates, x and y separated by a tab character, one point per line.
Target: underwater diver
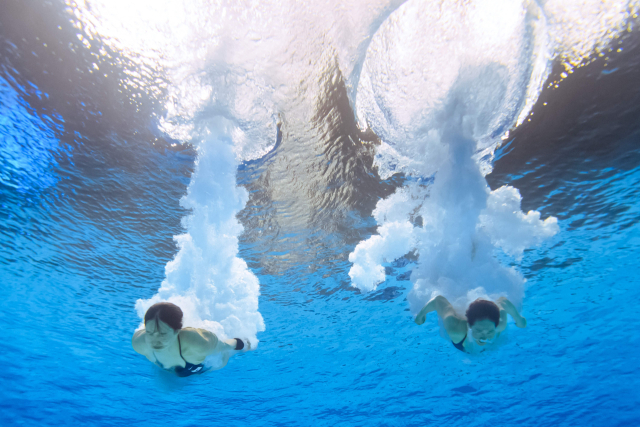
486	319
170	346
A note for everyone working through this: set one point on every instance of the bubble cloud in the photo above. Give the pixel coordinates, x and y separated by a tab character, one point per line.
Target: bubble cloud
441	86
207	279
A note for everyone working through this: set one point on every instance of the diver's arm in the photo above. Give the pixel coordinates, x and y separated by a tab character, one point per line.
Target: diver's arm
200	343
438	304
502	324
226	345
455	325
510	309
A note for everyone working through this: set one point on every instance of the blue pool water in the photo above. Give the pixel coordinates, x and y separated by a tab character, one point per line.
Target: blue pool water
89	203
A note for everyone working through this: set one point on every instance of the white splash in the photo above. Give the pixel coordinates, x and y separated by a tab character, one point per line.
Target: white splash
248	64
417	74
463	224
207	279
246	60
440	86
509	228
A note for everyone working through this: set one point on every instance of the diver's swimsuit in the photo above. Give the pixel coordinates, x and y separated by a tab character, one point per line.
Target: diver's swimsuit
189	368
460	345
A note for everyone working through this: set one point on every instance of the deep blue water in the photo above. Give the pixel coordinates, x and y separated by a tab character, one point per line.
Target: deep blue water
89	205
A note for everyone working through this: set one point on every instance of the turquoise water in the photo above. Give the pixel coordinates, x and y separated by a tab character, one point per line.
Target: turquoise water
89	195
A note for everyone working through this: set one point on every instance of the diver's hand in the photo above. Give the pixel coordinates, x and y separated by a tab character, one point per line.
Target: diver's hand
521	322
420	318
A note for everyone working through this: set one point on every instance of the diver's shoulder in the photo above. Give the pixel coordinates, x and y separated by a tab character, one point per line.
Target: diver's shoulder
193	331
456	326
197	342
197	335
139	343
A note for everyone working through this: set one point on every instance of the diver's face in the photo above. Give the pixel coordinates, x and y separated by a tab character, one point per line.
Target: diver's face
483	330
159	335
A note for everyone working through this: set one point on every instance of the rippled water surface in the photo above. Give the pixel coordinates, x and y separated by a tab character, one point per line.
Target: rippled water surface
91	180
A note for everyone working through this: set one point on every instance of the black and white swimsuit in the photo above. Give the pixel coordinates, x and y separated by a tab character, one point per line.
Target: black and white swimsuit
460	345
189	368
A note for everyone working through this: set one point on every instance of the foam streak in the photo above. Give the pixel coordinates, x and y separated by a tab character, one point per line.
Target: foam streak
464	224
214	287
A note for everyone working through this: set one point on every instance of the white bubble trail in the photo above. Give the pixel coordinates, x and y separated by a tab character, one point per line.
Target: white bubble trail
464	224
207	279
440	86
404	64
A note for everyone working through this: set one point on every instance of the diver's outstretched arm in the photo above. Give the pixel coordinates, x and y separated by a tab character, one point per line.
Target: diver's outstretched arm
510	309
226	345
456	326
228	348
200	343
438	304
231	344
